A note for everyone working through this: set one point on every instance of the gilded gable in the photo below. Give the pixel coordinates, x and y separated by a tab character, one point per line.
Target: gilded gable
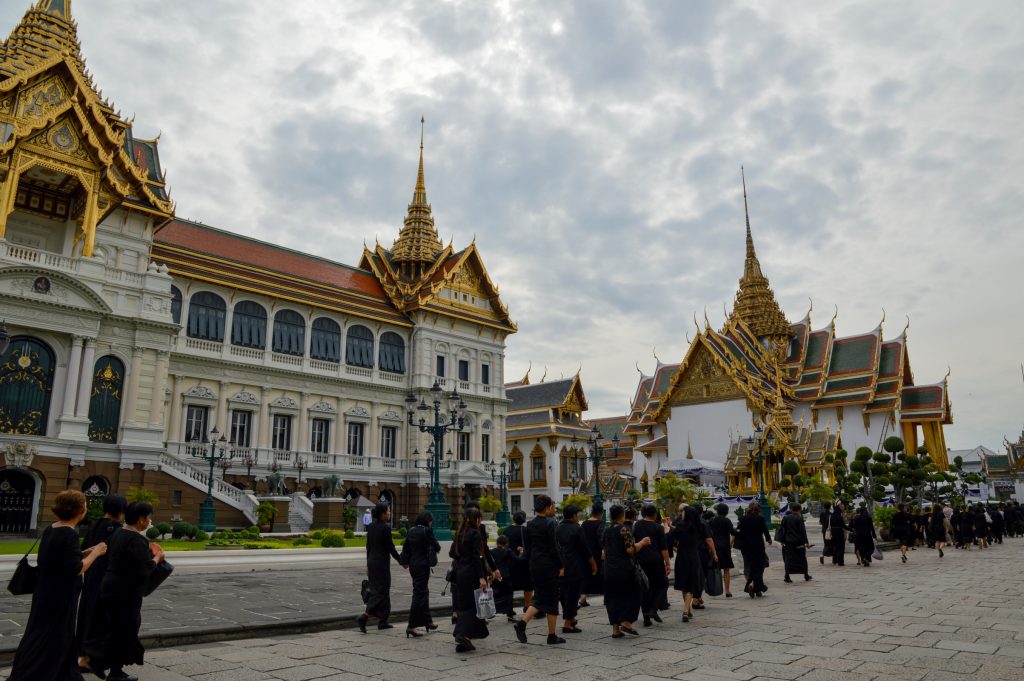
704	380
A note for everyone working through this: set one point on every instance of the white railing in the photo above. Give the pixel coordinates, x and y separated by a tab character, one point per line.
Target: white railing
200	479
124	277
323	365
357	460
292	360
282	455
248	353
389	463
321	459
391	376
359	371
303	506
486	388
464	386
37	257
203	345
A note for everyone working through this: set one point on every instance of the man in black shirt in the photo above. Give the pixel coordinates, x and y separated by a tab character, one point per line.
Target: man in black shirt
577	562
545	569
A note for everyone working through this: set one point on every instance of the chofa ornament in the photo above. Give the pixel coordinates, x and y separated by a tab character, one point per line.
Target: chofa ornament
19	454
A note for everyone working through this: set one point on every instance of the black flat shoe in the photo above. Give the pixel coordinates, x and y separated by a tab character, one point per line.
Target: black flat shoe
686	618
808	578
631	631
361	621
583	604
821	559
699	607
647	621
520	628
97	671
787	580
619	635
572	630
656	617
455	619
431	627
728	595
463	645
123	677
385	625
554	640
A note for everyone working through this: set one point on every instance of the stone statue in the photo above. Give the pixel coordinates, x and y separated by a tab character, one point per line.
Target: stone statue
332	485
275	485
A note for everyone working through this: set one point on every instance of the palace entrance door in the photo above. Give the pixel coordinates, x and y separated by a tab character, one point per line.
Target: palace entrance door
17	490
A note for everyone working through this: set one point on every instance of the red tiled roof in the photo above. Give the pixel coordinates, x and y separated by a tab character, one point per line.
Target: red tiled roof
241	249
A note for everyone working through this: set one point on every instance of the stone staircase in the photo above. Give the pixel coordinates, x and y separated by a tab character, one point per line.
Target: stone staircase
223	492
300	513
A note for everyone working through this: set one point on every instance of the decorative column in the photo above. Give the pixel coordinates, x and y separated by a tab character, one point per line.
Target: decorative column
85	380
263	441
131	392
74	371
174	429
302	444
156	403
340	428
222	409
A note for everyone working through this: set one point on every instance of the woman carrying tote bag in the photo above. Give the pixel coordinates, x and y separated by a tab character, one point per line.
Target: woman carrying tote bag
48	649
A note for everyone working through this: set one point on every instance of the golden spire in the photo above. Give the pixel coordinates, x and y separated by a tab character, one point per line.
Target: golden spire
689	449
755	301
418	244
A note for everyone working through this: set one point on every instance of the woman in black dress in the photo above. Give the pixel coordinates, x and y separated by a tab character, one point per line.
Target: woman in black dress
864	536
91	618
903	529
838	528
593	584
130	564
653	560
688	534
622	597
795	544
937	528
722	532
518	544
753	533
419	553
545	568
470	575
380	549
48	649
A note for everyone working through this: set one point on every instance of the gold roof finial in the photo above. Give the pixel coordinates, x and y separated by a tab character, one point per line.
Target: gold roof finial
689	449
755	301
418	241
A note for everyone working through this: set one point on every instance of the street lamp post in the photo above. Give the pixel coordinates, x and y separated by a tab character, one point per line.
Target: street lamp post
450	420
595	455
300	463
248	461
499	474
756	440
218	452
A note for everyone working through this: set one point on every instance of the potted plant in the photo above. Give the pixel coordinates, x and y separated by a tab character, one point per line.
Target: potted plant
489	506
265	514
883	521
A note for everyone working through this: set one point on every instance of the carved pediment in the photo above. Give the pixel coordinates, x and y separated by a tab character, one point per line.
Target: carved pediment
705	381
245	397
285	402
323	407
358	412
390	415
202	392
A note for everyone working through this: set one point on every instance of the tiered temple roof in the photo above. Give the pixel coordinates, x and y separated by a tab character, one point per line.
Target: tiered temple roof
552	408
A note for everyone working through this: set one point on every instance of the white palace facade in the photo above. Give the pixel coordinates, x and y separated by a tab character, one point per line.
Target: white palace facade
133	334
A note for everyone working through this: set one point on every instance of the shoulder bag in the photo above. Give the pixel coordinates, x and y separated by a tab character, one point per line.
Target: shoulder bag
828	530
25	577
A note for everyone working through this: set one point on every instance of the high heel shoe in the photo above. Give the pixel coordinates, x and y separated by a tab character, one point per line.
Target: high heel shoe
361	621
385	625
412	633
431	627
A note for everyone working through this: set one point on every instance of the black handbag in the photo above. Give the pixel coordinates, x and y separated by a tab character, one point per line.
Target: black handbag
25	577
641	577
158	576
364	591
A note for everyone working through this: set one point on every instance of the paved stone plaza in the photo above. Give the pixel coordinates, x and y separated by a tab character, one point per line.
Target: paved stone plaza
957	619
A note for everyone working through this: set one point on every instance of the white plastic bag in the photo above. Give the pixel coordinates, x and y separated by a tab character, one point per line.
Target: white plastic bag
485	608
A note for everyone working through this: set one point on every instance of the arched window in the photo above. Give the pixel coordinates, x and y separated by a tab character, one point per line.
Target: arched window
325	343
359	347
26	382
392	353
105	403
249	325
206	313
289	333
176	304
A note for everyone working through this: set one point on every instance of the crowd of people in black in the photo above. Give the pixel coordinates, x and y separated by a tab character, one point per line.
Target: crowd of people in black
78	625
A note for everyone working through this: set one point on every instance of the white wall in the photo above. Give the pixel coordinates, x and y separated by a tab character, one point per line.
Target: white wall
707	426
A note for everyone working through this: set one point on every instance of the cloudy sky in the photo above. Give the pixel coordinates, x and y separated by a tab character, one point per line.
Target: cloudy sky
594	150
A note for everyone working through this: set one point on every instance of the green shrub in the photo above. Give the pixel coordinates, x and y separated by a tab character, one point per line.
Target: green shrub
250	546
332	541
403	531
317	534
501	530
201	536
179	530
165	528
153	533
193	531
396	535
302	541
349	534
253	529
142	494
884	514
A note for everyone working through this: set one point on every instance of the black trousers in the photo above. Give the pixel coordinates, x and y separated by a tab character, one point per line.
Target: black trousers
838	546
569	589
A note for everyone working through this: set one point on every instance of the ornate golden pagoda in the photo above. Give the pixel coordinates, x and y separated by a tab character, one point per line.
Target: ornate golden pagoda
755	301
418	246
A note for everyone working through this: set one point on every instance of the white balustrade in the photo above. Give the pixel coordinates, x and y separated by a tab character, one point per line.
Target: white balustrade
203	345
391	377
321	365
248	353
359	371
290	360
464	386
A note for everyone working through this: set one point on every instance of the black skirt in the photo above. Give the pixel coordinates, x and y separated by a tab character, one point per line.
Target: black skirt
622	599
379	602
545	591
594	583
724	552
688	572
795	559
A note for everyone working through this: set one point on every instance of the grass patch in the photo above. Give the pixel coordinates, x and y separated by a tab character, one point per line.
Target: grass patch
20	547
